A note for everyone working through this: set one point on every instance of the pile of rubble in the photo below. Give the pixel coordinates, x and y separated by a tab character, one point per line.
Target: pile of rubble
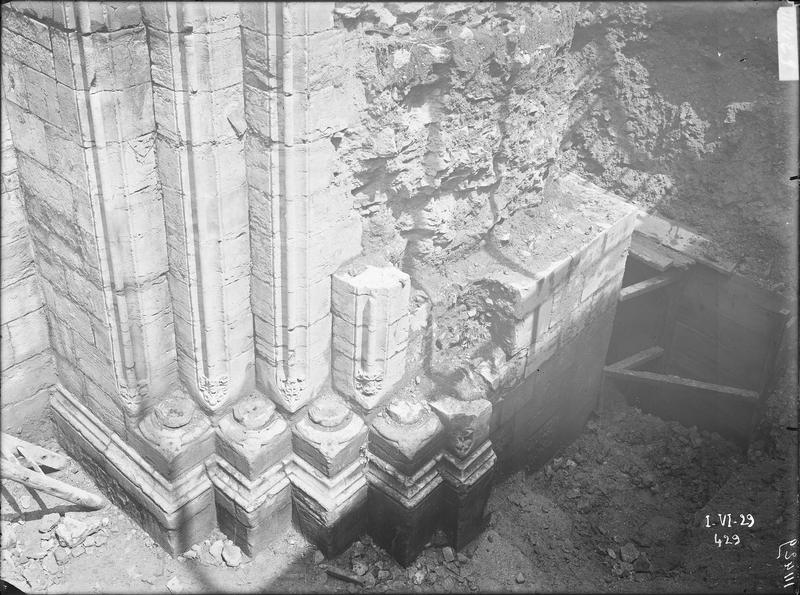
214	553
439	568
59	538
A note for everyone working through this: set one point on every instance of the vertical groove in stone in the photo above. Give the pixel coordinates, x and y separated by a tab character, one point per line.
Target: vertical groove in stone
116	219
295	246
290	316
116	303
200	165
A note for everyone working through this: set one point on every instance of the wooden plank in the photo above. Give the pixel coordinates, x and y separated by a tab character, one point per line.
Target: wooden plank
646	251
672	234
638	359
730	411
12	471
651	378
656	255
731	355
39	455
648	285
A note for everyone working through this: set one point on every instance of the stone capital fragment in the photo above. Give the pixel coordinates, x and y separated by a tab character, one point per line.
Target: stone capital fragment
177	436
466	424
370	304
406	434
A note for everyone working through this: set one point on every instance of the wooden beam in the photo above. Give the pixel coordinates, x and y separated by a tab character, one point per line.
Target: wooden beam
677	382
638	359
648	285
12	471
646	250
36	454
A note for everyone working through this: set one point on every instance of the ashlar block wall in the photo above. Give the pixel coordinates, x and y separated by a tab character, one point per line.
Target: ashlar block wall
182	257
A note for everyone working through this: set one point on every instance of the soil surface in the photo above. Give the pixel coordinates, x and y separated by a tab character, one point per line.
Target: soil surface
680	111
621	509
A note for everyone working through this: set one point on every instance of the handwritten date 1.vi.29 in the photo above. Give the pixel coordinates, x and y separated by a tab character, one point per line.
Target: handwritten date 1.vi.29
729	520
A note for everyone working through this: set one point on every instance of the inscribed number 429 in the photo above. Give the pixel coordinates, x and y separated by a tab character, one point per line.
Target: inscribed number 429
726	540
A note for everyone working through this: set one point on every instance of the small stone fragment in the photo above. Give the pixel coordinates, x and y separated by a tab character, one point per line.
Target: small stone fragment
50	564
174	585
462	558
642	564
100	539
49	544
232	554
448	554
71	532
419	577
520	578
25	501
215	549
190	554
8	538
384	575
628	552
360	567
206	558
319	557
78	551
32	574
61	555
48	521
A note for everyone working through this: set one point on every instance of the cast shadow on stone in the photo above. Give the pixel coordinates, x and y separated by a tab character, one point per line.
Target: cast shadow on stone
35	514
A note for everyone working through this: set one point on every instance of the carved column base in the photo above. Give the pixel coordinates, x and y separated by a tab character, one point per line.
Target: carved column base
466	489
403	510
176	513
330	512
251	513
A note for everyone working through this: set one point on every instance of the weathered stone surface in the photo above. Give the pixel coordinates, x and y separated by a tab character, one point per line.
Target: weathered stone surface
175	436
401	530
463	510
405	485
27	366
72	532
251	513
176	514
330	485
466	423
253	436
330	437
406	434
370	307
192	180
332	526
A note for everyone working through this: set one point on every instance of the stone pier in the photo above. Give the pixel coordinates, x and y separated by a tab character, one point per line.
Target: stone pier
248	249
